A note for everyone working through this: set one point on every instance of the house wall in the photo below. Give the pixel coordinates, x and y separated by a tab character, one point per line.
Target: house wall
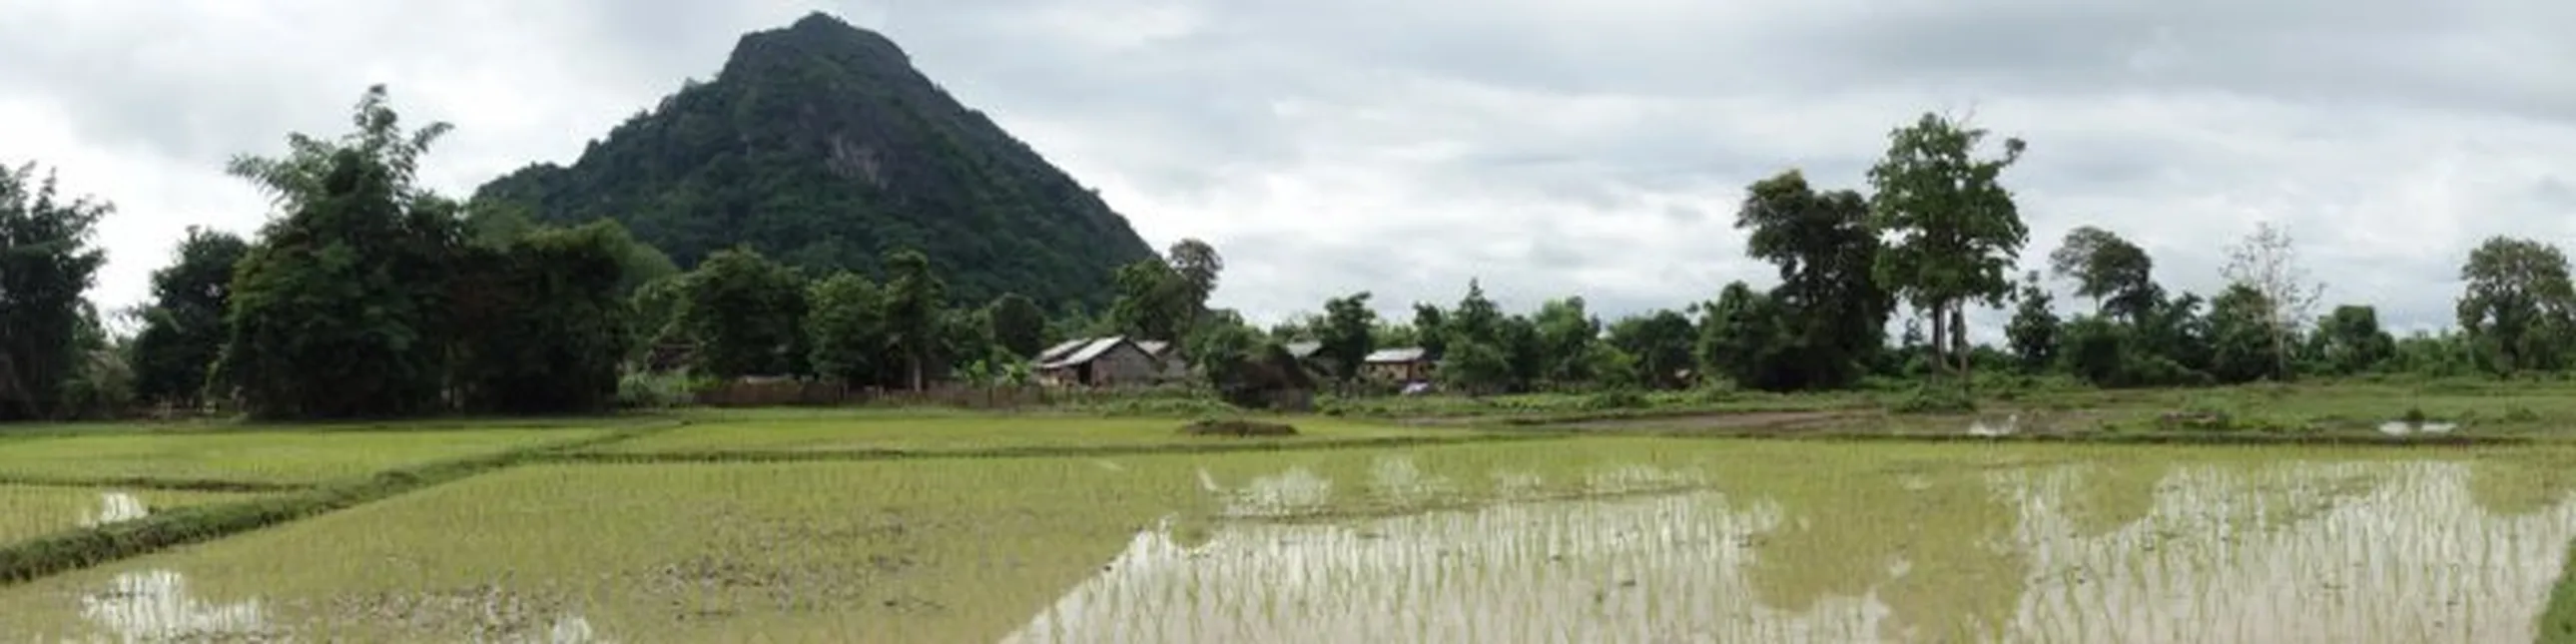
1125	365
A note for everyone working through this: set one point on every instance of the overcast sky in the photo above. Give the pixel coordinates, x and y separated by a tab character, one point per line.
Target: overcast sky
1328	146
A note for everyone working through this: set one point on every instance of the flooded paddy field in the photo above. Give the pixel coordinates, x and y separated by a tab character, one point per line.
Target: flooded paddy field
220	460
789	432
28	511
1578	539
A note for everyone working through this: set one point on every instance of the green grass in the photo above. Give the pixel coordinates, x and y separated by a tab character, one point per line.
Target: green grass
281	457
936	433
28	511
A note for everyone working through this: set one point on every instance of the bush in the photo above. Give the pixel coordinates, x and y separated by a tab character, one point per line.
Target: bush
1936	399
1243	428
649	390
1620	398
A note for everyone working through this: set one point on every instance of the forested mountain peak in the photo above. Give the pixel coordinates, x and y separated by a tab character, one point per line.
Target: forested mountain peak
821	145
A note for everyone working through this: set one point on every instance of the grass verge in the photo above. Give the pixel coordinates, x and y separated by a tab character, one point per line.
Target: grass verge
1191	446
2558	617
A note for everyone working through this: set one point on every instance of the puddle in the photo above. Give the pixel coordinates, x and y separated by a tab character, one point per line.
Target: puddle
115	507
2354	552
1979	427
2403	428
154	605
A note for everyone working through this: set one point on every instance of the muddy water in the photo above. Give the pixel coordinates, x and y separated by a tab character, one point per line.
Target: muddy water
2143	550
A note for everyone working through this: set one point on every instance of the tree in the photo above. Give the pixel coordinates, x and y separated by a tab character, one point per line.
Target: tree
1198	266
1660	345
1741	337
183	326
1956	229
542	322
2266	262
46	264
1476	367
1476	318
1826	253
2241	336
1154	301
2518	304
913	297
2350	341
2118	275
845	328
1431	330
1567	339
342	308
2033	331
745	315
1348	333
1019	326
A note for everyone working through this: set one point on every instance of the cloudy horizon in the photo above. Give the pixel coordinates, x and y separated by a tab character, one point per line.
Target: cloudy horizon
1333	146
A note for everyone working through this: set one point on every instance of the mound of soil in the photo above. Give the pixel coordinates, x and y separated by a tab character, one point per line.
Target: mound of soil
1236	428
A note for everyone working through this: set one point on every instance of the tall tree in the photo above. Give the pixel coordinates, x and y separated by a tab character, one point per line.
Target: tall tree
542	322
1476	318
745	314
46	263
2267	262
1198	266
1431	329
2519	303
1019	326
1154	302
1661	345
2033	330
913	298
2117	274
2241	336
1348	333
1568	339
1956	228
342	307
2349	340
183	327
1742	338
1827	254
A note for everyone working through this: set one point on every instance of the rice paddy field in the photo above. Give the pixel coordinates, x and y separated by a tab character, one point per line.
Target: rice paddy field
833	526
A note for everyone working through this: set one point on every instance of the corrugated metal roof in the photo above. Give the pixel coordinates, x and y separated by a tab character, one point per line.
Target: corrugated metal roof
1155	347
1303	349
1058	351
1405	354
1087	353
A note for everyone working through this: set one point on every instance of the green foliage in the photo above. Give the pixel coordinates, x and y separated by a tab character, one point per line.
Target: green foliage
846	330
1019	326
913	316
820	145
342	307
743	313
1744	337
2033	331
1657	348
2241	337
1830	301
2519	307
2117	274
1956	229
183	327
46	263
1348	333
639	389
1935	399
1475	367
542	322
1567	339
2349	341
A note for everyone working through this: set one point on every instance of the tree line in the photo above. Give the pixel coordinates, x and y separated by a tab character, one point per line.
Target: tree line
368	296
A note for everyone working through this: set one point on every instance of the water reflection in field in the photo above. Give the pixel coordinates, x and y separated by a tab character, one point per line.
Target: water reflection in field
2354	551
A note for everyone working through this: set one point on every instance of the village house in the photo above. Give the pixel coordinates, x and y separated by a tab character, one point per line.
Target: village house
1104	362
1175	365
1405	364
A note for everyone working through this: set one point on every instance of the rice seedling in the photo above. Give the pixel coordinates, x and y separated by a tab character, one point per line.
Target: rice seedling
1583	538
31	510
824	432
211	460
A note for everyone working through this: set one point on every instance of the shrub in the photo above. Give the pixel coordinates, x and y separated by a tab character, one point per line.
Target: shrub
1936	399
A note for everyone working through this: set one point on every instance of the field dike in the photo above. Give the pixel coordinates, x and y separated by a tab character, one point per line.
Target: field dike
1210	446
86	547
156	483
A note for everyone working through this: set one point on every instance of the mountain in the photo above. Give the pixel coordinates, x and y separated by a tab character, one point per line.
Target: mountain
821	146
